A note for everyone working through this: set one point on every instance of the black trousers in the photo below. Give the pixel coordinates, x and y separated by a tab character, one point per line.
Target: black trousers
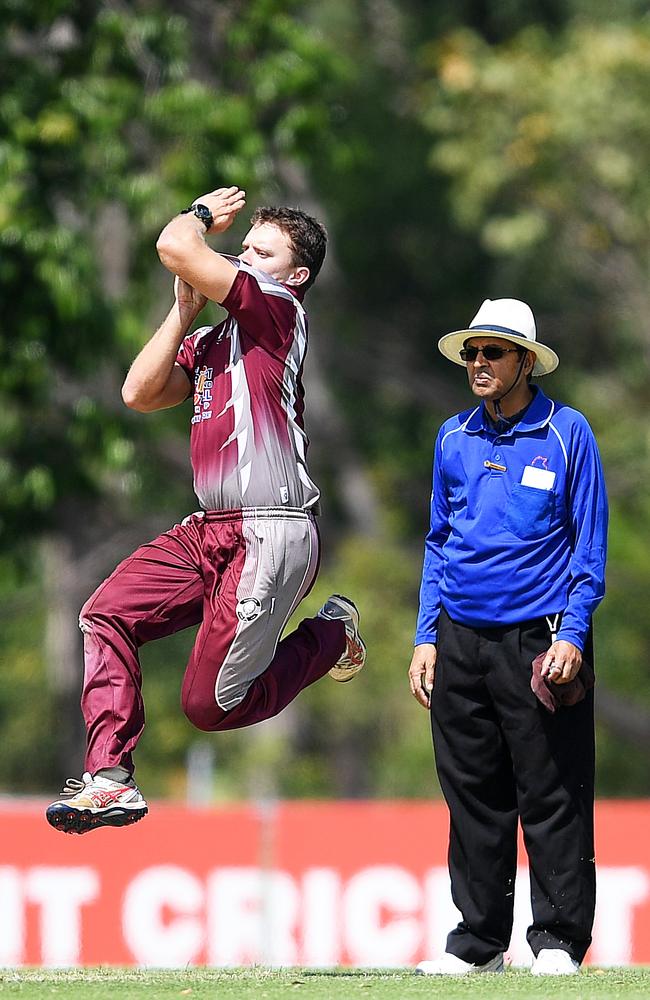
501	756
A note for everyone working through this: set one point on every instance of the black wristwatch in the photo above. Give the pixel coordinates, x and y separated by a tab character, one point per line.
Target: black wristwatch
202	212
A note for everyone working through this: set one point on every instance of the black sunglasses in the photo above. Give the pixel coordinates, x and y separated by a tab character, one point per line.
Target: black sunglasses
491	352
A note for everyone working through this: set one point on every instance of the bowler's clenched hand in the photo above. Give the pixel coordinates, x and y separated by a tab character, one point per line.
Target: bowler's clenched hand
224	204
189	301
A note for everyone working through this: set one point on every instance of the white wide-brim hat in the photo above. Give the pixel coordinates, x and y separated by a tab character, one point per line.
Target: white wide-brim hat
507	319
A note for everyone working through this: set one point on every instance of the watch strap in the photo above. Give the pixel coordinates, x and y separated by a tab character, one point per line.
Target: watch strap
202	212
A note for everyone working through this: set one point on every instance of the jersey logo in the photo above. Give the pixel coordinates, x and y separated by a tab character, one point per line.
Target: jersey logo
249	609
203	383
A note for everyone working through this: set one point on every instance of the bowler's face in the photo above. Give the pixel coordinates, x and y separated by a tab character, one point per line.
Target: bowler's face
267	248
490	379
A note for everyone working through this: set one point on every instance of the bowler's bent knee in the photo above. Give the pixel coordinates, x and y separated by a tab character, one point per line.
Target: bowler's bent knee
204	715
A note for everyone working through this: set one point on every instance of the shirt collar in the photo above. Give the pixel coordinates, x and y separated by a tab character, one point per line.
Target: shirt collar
537	415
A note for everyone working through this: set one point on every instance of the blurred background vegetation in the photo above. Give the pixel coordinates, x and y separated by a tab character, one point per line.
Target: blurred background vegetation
455	152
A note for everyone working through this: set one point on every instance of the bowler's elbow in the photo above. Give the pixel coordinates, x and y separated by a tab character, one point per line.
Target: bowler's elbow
134	398
165	247
172	250
130	396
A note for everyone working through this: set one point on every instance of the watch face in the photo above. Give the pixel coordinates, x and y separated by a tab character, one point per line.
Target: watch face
203	213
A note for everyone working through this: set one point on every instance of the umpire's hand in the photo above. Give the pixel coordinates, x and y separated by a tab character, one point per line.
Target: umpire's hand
562	662
421	672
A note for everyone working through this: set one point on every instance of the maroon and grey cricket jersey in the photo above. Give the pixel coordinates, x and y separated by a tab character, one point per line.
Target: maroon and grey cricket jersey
248	443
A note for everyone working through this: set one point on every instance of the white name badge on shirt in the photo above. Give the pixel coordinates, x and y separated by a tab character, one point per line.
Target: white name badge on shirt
541	479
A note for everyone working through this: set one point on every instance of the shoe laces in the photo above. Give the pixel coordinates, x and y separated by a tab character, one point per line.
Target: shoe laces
75	785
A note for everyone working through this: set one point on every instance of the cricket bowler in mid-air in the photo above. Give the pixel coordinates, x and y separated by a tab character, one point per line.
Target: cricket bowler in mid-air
240	566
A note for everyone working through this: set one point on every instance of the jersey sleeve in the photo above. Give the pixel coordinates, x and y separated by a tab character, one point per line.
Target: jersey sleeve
186	354
266	312
429	608
588	519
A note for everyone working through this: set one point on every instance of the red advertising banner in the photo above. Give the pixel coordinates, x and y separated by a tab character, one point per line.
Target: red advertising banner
309	884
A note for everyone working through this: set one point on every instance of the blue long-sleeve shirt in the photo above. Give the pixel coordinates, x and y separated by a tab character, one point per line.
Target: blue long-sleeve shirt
518	522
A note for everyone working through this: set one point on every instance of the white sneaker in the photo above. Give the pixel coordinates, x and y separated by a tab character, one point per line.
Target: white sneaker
351	661
93	802
554	962
451	965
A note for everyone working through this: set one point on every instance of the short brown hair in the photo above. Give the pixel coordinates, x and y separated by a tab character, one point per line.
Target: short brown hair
307	236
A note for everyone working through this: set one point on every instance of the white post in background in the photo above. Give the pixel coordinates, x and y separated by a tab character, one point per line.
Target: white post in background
200	774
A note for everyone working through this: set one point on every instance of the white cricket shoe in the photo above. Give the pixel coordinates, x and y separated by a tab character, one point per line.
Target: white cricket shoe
451	965
554	962
337	608
93	802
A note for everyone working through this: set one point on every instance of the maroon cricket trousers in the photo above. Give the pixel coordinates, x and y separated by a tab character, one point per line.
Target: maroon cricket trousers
240	574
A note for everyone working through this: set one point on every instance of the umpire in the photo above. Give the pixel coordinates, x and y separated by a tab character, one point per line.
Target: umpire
513	570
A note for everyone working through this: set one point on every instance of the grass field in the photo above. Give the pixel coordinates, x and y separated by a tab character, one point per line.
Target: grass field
264	984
